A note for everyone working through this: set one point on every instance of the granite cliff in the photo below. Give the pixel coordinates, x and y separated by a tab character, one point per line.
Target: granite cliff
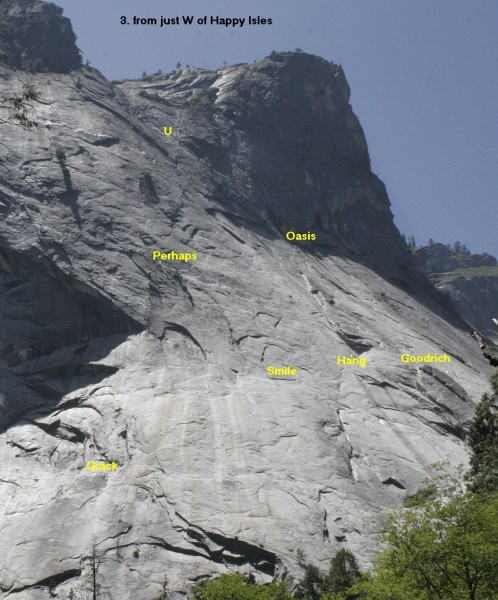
161	366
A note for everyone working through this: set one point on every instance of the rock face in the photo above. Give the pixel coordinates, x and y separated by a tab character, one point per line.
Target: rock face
471	280
36	37
161	366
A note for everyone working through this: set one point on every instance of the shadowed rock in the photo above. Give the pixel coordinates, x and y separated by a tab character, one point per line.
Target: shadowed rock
37	38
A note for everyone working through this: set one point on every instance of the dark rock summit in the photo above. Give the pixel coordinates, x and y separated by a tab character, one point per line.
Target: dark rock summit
292	104
35	36
161	366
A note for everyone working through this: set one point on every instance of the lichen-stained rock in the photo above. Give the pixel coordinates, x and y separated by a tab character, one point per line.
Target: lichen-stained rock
161	365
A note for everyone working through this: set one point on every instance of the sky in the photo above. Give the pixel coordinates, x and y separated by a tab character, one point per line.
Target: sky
423	77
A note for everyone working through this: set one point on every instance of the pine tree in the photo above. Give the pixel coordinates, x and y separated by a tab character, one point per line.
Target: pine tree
92	579
483	442
310	586
343	572
164	593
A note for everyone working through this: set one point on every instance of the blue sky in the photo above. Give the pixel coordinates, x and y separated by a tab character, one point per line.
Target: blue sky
423	76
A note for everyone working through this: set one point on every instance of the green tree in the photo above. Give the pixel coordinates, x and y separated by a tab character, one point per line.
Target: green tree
446	548
235	587
16	110
300	556
483	442
343	572
310	587
18	106
60	154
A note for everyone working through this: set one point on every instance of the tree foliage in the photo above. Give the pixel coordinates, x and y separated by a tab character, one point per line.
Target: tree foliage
336	584
311	586
483	442
459	248
446	548
343	572
16	109
235	587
